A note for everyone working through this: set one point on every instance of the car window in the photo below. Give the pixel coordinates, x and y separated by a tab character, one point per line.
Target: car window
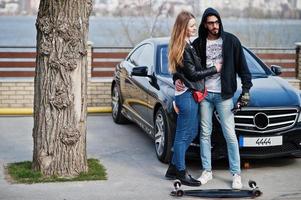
255	66
163	60
146	58
143	56
134	57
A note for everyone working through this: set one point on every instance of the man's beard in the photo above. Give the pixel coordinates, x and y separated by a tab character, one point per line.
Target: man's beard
214	32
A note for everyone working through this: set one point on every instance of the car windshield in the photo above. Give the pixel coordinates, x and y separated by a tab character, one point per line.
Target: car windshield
256	67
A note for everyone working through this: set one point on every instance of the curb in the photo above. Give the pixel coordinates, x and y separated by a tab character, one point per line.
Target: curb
29	111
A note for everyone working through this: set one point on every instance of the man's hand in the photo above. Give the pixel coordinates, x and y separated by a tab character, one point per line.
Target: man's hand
179	85
244	99
218	67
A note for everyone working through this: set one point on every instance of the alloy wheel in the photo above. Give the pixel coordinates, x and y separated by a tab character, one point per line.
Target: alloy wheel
115	102
160	135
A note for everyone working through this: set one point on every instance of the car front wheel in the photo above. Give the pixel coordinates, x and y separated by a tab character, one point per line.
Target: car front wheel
117	116
163	138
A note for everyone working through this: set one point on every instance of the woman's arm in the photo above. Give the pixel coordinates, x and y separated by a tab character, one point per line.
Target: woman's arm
189	68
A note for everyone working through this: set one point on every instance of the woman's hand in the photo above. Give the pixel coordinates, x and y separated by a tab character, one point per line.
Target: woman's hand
179	85
175	107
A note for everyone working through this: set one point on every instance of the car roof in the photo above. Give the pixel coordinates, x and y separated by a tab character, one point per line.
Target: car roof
160	40
157	40
163	41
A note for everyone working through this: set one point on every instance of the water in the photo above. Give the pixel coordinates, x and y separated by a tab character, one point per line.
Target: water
108	31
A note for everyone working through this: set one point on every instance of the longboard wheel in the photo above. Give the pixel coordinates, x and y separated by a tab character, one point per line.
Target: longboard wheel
252	184
173	193
256	193
177	183
179	193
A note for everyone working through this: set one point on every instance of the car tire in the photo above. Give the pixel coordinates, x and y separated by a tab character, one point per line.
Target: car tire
163	136
117	116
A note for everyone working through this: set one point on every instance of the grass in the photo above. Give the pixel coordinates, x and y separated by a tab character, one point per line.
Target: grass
21	172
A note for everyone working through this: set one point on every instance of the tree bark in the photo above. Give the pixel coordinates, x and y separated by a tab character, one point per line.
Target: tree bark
59	132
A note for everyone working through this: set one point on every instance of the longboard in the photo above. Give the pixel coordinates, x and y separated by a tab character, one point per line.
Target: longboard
217	193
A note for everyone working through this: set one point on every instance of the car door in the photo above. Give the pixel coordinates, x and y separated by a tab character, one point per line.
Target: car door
127	86
135	88
159	90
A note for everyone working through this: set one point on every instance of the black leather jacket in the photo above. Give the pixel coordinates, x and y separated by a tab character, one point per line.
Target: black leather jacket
234	61
191	72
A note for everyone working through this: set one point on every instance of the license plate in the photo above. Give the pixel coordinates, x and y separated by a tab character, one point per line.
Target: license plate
260	141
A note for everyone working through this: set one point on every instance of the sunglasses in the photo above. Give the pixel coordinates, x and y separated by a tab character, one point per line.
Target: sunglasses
212	23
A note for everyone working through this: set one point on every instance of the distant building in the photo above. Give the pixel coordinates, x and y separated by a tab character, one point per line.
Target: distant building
173	7
33	6
134	7
298	4
9	7
105	6
227	8
24	7
256	8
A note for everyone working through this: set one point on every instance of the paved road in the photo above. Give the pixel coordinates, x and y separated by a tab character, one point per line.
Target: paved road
133	169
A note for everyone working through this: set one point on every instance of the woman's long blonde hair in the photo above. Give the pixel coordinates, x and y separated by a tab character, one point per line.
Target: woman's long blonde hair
177	41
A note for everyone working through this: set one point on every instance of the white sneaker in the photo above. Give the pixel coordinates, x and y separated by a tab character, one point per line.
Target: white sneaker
205	177
236	184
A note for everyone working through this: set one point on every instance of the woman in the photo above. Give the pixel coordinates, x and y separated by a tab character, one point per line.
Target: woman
184	64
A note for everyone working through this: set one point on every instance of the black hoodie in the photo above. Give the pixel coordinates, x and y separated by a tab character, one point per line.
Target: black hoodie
234	61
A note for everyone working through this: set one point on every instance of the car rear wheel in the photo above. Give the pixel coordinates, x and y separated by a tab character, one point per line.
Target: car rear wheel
117	116
163	138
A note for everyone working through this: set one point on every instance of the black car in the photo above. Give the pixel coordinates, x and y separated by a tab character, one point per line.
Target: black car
143	91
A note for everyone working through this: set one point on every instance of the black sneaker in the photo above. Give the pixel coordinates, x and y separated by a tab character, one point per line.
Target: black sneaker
187	179
171	172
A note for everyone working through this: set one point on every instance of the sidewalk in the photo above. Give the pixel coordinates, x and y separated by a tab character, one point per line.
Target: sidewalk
133	169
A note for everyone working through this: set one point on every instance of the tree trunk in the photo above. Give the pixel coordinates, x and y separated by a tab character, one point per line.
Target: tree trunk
59	132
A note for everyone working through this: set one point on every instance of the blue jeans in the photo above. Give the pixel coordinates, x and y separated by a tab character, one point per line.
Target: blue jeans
223	108
187	127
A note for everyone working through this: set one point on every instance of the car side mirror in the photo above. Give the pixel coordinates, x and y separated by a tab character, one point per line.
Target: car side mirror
139	71
276	69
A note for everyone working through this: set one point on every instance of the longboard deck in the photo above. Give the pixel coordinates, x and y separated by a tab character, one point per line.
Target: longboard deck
218	193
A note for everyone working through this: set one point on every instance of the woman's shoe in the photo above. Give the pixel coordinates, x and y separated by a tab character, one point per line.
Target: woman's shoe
171	172
187	179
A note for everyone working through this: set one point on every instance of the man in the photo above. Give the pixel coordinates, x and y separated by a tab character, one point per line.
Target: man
217	46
